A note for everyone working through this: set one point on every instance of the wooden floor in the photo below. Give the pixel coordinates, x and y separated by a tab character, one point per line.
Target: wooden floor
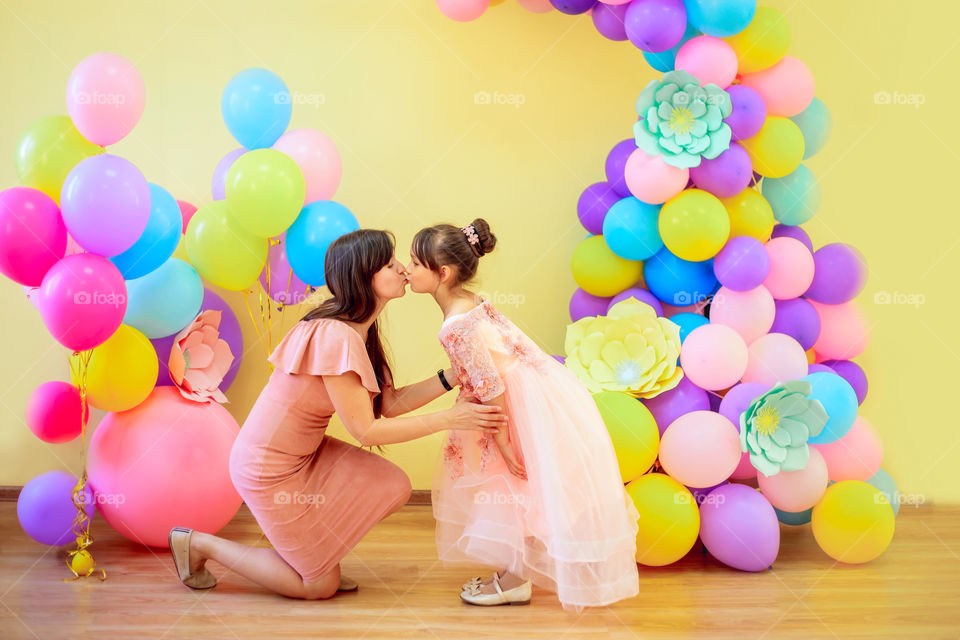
912	591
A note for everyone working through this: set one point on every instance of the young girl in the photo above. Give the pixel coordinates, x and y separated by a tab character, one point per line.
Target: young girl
542	500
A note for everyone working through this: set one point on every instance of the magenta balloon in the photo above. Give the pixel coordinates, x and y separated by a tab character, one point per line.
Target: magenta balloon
748	114
840	273
608	19
670	405
739	527
615	164
852	373
32	235
284	286
593	205
82	300
784	230
105	204
726	175
218	185
742	264
640	294
738	399
655	25
798	319
583	304
55	412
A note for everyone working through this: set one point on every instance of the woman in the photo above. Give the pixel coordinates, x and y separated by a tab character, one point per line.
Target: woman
315	496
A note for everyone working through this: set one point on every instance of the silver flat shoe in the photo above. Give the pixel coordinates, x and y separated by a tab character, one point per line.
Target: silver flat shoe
518	595
179	542
347	584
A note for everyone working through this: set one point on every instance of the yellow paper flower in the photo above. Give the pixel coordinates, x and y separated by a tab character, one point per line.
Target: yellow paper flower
630	349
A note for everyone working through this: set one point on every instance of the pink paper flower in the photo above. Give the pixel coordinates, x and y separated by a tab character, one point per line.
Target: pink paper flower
200	358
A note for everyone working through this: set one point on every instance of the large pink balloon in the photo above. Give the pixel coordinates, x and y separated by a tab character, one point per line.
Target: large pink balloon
786	88
105	97
652	180
791	268
774	358
855	456
462	10
32	235
750	313
843	331
795	491
162	464
710	59
700	449
318	159
714	357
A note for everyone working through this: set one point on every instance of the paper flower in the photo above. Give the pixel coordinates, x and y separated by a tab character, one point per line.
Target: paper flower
775	427
200	358
630	349
682	121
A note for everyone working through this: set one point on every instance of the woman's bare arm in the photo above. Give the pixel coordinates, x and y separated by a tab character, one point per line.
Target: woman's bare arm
502	438
397	402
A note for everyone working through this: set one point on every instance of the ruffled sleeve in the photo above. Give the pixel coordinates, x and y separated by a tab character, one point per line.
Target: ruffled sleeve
324	347
466	343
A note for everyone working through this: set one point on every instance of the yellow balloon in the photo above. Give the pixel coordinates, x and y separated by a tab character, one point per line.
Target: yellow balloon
601	272
633	431
48	149
694	225
222	252
82	563
669	519
853	522
764	41
777	149
750	215
122	371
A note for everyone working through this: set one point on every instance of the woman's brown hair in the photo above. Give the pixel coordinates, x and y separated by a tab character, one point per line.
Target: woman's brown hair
445	244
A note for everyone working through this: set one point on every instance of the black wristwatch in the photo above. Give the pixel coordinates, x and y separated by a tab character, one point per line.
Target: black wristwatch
443	380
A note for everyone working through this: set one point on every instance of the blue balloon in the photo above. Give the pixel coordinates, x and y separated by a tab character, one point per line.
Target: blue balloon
666	60
687	323
885	483
794	517
159	239
256	107
720	18
794	198
165	300
840	402
318	224
815	123
630	229
679	282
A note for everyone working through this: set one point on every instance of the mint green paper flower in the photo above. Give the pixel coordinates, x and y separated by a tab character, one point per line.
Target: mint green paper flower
682	121
775	427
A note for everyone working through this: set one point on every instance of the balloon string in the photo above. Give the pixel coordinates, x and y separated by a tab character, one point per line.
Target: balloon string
256	327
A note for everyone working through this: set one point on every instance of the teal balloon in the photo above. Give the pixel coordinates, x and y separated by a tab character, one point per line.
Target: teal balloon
630	229
666	60
318	225
882	481
840	402
688	322
794	198
165	300
256	108
720	18
794	518
815	124
159	239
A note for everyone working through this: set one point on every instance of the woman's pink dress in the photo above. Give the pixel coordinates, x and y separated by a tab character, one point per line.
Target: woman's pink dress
314	496
570	526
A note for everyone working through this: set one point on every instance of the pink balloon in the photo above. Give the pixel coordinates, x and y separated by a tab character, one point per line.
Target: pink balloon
714	357
539	6
750	313
791	268
54	412
82	300
745	469
843	331
218	185
795	491
72	247
855	456
162	464
700	449
284	286
32	235
774	358
786	88
463	10
318	159
186	212
652	180
105	97
710	59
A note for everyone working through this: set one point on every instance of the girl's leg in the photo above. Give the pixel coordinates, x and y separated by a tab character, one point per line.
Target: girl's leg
507	581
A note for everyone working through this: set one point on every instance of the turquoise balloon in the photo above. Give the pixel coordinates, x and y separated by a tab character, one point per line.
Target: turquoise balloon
159	239
720	18
318	224
840	402
666	60
794	198
165	300
882	481
630	229
256	108
687	323
794	518
679	282
815	123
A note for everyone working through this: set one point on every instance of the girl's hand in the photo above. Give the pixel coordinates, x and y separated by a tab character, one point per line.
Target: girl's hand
476	417
515	466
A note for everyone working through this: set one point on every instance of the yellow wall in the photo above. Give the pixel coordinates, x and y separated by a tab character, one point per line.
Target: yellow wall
394	84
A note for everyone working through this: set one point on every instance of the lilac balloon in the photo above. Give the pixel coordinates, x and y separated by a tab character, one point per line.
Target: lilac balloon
840	273
640	294
608	19
284	286
798	319
700	495
742	264
787	231
748	114
616	161
726	175
655	25
560	359
573	7
738	399
739	527
593	205
218	186
45	507
670	405
819	368
582	304
105	203
852	373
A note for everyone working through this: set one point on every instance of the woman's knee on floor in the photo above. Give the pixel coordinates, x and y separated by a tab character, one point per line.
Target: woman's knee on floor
325	587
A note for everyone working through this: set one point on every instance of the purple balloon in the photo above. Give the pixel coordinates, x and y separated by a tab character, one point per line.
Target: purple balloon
45	507
840	273
852	373
726	175
284	286
738	399
715	400
700	495
616	161
670	405
583	304
593	205
655	25
573	7
640	294
798	319
739	527
218	186
819	368
742	264
560	359
787	231
608	19
748	114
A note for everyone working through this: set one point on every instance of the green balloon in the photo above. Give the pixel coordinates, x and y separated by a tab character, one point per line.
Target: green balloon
265	189
794	198
633	431
46	152
815	124
227	256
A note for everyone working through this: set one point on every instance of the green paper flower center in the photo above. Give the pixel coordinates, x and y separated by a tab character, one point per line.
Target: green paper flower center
681	120
767	420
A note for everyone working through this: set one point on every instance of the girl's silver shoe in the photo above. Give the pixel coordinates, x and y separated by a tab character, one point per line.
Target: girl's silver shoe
518	595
